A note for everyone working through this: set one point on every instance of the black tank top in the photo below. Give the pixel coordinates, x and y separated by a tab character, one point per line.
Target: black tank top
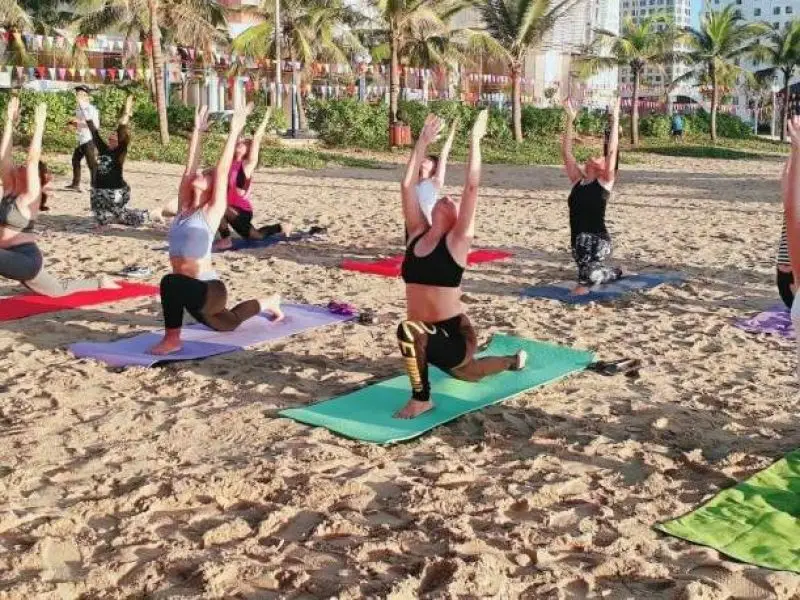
438	268
587	210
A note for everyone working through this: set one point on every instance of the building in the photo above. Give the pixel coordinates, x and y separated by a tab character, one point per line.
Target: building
656	78
241	15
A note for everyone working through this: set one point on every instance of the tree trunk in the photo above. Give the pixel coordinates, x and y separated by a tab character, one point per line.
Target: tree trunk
516	105
394	86
278	57
785	109
158	72
635	109
714	103
755	118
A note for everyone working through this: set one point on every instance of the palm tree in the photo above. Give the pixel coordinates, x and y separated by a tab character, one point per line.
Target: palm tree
311	31
714	49
781	51
649	41
158	72
514	28
403	25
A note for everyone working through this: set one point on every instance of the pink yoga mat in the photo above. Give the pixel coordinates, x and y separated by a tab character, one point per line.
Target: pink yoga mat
390	267
26	305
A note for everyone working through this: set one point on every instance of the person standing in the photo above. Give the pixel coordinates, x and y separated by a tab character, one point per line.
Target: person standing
85	111
677	125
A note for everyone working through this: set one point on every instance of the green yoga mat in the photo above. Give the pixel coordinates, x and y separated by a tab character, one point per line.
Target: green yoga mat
366	414
755	521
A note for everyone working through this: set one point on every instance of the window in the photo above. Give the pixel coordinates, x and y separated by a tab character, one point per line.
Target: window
789	10
738	13
776	10
757	12
738	1
776	25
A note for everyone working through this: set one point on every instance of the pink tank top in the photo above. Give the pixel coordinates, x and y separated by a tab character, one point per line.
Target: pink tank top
236	197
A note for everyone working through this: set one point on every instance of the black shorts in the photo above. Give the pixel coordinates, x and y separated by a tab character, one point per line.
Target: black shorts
785	282
241	223
677	133
452	342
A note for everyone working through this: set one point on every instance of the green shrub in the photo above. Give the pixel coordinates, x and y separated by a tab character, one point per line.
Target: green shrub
728	126
655	125
542	122
349	123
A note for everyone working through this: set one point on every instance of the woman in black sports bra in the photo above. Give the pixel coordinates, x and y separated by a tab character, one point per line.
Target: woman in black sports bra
591	191
436	330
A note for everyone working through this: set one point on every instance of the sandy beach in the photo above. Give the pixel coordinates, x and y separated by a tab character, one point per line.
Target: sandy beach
182	482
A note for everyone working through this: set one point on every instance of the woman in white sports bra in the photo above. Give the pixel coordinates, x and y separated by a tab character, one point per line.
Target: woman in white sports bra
193	286
791	207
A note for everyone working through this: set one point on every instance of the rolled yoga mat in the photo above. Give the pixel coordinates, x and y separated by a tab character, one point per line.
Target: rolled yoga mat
390	267
27	305
200	342
756	521
367	414
775	321
629	284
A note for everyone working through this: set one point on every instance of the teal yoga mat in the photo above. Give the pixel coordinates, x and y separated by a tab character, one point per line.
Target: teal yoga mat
756	521
366	414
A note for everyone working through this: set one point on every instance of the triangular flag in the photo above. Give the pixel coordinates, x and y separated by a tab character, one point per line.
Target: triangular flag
71	73
31	73
102	73
131	73
139	45
121	74
82	73
62	73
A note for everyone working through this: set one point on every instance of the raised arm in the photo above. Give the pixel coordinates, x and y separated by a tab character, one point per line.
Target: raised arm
219	198
193	156
441	168
613	145
98	141
34	185
123	132
6	161
791	199
251	163
570	164
465	226
412	213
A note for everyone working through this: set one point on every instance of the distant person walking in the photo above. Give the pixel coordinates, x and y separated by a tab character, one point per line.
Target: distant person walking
85	111
677	125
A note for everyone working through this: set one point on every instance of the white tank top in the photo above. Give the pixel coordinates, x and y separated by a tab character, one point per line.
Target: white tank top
427	195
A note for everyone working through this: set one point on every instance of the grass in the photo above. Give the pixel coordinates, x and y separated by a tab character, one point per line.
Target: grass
725	148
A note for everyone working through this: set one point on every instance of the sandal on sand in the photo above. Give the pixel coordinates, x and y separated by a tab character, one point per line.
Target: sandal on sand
136	272
367	317
624	366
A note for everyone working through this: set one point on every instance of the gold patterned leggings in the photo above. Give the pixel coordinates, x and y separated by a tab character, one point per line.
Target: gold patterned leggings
449	345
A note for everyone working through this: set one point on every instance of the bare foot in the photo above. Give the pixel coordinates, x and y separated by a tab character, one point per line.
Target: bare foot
286	229
272	305
580	290
413	409
166	346
522	360
106	283
223	244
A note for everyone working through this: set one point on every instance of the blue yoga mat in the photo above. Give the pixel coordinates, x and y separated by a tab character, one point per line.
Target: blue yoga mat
602	293
367	414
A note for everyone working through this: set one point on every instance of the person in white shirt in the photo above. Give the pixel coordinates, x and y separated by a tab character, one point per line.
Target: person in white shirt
86	147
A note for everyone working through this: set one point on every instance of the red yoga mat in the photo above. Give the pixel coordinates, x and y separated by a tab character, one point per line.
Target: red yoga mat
390	267
26	305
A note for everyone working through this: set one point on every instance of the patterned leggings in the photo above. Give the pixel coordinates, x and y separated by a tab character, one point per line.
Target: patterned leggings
108	206
590	253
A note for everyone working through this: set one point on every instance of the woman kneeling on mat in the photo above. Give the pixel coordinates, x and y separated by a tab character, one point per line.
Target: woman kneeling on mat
791	207
22	198
436	330
591	191
110	194
239	212
193	285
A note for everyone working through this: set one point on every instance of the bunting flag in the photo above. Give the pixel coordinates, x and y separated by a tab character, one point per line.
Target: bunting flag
62	73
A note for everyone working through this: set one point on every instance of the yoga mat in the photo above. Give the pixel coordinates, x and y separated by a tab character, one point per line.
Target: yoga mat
775	321
602	293
242	244
390	267
199	341
26	305
366	414
755	521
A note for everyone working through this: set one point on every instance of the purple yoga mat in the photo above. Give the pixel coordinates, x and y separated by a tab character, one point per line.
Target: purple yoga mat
200	341
775	321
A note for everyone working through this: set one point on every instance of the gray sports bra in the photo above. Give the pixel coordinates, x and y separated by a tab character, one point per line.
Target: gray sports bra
11	217
190	236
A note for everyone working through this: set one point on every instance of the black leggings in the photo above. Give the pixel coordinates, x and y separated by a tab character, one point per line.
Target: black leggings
449	345
241	221
204	300
89	151
785	282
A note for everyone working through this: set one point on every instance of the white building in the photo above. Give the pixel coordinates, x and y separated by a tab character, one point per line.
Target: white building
656	78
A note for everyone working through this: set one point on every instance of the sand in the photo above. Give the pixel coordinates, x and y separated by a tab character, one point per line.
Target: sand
181	482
